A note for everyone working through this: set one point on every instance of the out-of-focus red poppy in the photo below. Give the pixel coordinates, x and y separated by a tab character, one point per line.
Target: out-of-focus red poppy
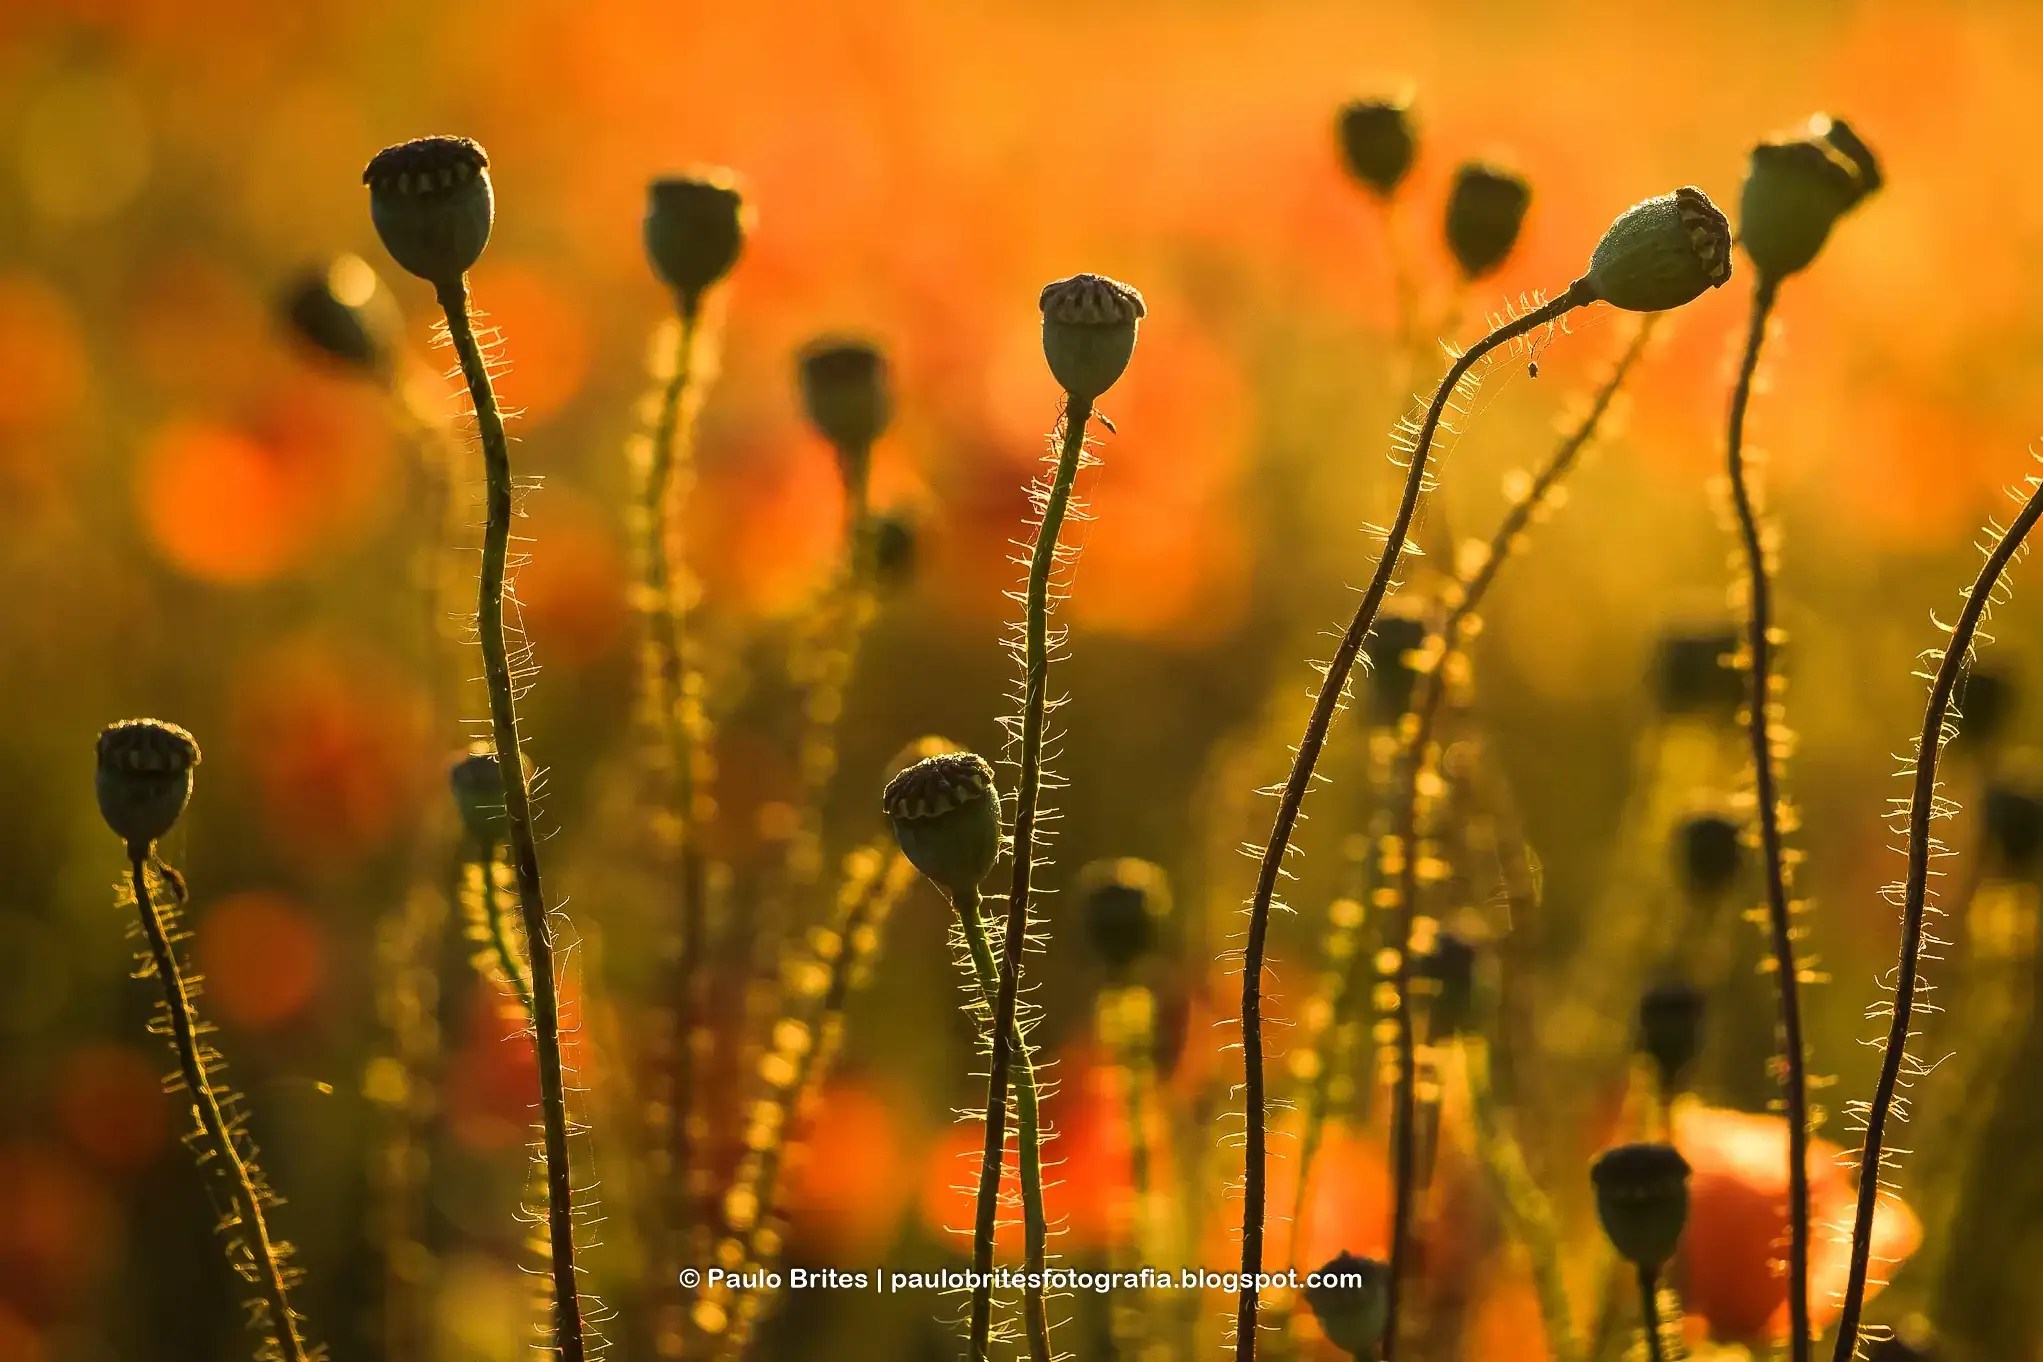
1346	1206
850	1175
1738	1224
43	353
262	957
492	1085
571	594
217	504
56	1230
531	323
110	1104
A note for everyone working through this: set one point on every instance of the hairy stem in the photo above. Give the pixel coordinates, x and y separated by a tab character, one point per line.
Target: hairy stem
1316	729
499	932
1649	1309
1922	809
1028	1124
1426	703
191	1062
503	713
1759	731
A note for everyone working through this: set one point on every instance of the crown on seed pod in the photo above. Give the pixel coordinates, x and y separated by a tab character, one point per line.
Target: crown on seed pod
845	393
695	227
1089	324
432	204
1796	188
143	777
1127	905
1351	1303
1377	141
1662	253
1485	210
1642	1200
946	816
1707	854
1671	1029
343	312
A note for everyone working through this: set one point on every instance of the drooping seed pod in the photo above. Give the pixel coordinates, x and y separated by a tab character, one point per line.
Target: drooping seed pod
143	777
946	816
1392	679
1708	854
2013	820
1693	675
1796	189
1377	139
1450	971
892	541
1127	907
1089	325
1351	1303
342	312
1485	210
1642	1200
432	204
695	228
1671	1029
1662	253
845	393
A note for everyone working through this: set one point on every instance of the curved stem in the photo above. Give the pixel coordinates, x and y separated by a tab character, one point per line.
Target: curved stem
1432	690
499	936
1035	1227
1323	710
1649	1310
503	713
191	1062
1921	809
1759	732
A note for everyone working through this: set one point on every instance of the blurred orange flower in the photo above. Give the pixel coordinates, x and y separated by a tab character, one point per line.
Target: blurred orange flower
57	1229
111	1106
262	957
850	1175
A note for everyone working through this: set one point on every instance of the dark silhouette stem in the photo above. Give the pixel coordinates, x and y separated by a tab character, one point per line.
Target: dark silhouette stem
1649	1311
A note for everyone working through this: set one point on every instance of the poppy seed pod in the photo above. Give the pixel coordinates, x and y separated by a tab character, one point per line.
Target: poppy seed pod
1692	674
143	778
1351	1303
2013	821
343	312
844	392
478	786
891	541
432	204
1485	209
1089	324
1795	191
1671	1029
694	229
1377	142
946	817
1391	676
1843	139
1450	968
1662	253
1126	904
1642	1200
1707	855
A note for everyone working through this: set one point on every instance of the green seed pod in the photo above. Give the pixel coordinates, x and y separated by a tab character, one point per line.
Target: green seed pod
1671	1029
1662	253
432	204
1450	970
478	785
343	312
844	390
891	540
143	778
1485	209
1391	676
1127	907
1795	191
1707	855
2013	819
1377	141
1353	1307
1089	324
1693	677
695	228
946	816
1642	1200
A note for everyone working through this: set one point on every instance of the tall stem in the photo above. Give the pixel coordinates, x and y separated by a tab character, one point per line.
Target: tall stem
1649	1310
1316	729
1035	1227
191	1062
1922	809
1759	732
503	713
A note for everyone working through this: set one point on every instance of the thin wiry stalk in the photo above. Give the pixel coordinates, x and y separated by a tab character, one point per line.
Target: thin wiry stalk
1923	806
1649	1307
1432	690
263	1260
1323	710
502	953
1028	1133
567	1307
1780	919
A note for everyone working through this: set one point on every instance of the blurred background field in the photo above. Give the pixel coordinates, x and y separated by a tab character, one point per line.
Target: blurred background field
200	520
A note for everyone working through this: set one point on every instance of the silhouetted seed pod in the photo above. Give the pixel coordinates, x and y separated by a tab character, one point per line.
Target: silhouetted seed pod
432	204
1485	210
1377	142
1707	855
1642	1200
844	392
1450	968
1662	253
891	536
1089	325
143	777
1986	703
1845	141
1671	1029
1694	675
946	817
1391	678
2013	821
1351	1315
343	313
478	785
695	228
1795	191
1127	906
